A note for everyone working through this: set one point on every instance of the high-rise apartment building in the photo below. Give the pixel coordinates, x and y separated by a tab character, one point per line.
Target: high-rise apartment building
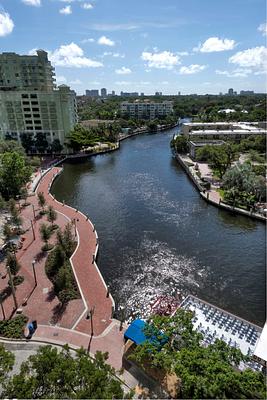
146	109
103	92
30	102
92	93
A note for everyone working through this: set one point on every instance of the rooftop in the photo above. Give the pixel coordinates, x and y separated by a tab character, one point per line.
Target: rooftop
215	323
261	348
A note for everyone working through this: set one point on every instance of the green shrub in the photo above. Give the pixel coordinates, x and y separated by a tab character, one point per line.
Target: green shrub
17	280
13	328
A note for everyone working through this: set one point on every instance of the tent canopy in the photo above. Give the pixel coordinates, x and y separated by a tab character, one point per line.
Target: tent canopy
135	332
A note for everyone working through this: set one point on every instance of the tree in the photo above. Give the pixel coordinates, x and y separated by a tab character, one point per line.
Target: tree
56	146
243	186
2	203
13	263
45	233
66	240
6	364
16	218
181	144
204	372
24	194
41	200
14	174
7	231
51	373
27	141
51	215
41	143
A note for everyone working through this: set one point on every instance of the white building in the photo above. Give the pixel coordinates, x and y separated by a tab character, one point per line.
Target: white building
221	130
147	109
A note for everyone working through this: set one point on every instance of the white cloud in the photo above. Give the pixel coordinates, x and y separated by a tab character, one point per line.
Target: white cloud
123	71
254	58
236	73
71	55
6	24
61	79
183	53
87	6
35	3
165	59
76	82
89	40
214	44
66	10
114	27
110	53
123	83
103	40
263	28
191	69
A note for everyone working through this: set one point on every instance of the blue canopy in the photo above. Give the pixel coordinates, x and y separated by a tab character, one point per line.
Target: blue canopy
135	332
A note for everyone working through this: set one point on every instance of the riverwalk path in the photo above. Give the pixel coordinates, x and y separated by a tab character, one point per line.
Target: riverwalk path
85	322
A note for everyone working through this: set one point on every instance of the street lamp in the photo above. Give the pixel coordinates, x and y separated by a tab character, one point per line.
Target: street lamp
34	272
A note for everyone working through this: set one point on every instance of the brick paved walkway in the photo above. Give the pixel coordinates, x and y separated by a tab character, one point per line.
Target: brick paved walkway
100	331
91	284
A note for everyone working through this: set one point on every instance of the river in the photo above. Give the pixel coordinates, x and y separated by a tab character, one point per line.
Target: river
157	236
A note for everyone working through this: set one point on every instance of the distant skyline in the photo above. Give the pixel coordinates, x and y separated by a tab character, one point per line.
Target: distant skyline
146	46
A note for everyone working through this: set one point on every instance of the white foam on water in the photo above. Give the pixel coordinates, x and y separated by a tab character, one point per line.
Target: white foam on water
156	270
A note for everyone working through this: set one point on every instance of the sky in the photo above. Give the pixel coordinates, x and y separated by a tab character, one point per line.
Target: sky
187	46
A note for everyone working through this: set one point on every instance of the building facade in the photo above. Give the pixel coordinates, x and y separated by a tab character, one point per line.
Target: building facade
146	109
92	93
30	102
103	92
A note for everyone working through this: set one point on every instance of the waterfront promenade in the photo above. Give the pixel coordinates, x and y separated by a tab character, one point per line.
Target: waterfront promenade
85	322
92	287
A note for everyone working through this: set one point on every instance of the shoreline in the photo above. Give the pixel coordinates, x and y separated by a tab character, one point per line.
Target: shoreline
205	194
79	157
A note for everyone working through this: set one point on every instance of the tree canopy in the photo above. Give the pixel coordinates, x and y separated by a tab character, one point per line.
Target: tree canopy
54	374
14	173
204	372
243	186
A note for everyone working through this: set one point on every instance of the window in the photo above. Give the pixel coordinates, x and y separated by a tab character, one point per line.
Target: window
35	109
27	109
25	102
25	96
34	103
33	96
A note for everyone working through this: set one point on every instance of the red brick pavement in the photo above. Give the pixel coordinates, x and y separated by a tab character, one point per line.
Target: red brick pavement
99	332
89	279
42	304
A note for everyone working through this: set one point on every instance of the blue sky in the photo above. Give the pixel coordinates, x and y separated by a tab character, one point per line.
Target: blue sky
191	46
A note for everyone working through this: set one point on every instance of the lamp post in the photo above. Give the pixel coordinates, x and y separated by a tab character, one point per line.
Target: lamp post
34	272
12	286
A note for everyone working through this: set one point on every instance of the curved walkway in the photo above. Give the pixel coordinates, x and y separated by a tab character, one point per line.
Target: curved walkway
91	284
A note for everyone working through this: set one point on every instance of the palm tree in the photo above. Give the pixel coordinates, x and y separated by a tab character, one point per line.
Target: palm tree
41	200
45	233
51	215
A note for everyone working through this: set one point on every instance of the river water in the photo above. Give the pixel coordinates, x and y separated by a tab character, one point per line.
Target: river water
157	236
